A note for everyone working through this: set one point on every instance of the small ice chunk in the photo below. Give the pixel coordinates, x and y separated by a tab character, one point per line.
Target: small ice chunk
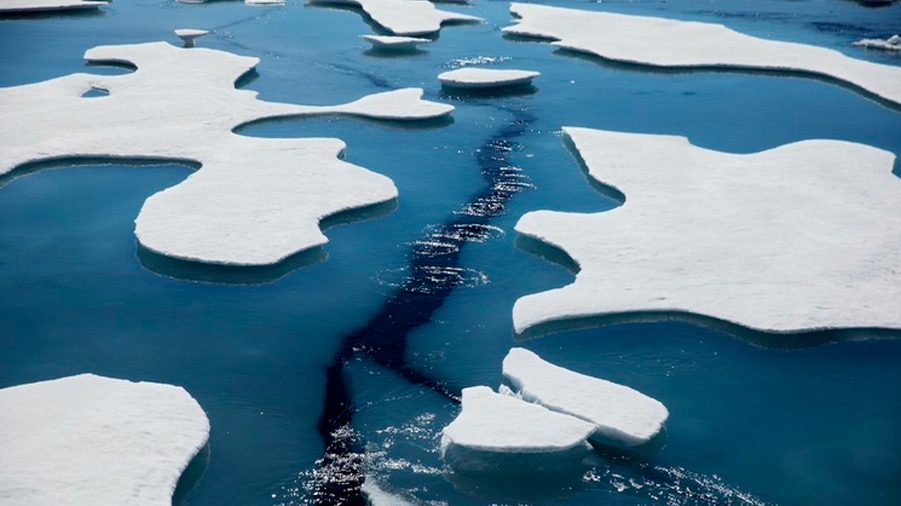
481	78
621	416
264	2
92	440
893	43
501	435
395	43
188	35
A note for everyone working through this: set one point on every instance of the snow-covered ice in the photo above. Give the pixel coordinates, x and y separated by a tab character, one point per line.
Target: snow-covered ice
90	440
621	416
685	44
264	2
254	201
482	78
801	237
498	434
405	17
189	35
36	6
892	43
392	42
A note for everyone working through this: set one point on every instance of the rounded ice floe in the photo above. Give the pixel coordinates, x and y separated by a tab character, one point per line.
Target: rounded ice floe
90	440
620	416
404	17
38	6
685	44
893	43
390	42
253	201
189	35
502	435
802	237
481	78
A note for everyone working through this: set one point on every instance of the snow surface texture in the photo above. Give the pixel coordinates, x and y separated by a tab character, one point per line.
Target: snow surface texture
621	416
405	17
684	44
479	78
396	43
893	43
801	237
36	6
498	434
254	201
90	440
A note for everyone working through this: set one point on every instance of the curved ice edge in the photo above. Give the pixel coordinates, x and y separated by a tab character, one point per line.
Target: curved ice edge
541	22
773	339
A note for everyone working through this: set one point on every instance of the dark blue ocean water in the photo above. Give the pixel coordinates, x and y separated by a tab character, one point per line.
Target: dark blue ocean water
749	424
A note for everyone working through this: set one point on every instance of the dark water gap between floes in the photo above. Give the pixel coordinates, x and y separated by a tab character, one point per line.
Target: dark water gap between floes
435	271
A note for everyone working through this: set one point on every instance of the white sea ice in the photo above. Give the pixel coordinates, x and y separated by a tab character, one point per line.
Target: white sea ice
189	35
36	6
801	237
391	42
90	440
254	201
264	2
684	44
405	17
621	416
482	78
893	43
498	434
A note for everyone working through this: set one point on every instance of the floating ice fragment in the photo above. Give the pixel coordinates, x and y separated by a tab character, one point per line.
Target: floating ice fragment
621	416
37	6
501	435
802	237
254	201
394	43
684	44
480	78
893	43
92	440
264	2
404	17
189	35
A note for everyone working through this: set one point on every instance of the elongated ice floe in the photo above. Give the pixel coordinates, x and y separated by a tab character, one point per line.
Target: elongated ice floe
482	78
498	434
37	6
395	43
90	440
805	236
684	44
621	416
892	43
405	17
254	201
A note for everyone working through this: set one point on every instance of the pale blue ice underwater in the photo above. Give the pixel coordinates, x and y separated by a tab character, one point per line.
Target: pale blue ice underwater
749	424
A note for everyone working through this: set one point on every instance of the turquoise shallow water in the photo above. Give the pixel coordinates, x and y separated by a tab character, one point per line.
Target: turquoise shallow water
749	424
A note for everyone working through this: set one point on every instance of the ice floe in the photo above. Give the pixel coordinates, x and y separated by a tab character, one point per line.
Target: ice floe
87	439
622	417
501	435
264	2
482	78
892	43
395	43
804	236
254	201
684	44
404	17
189	35
38	6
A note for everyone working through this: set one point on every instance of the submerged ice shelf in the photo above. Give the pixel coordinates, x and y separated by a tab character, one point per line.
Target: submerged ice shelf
254	201
683	44
805	236
92	440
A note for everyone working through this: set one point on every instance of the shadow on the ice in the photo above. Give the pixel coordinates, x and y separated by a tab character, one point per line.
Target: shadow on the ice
191	475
